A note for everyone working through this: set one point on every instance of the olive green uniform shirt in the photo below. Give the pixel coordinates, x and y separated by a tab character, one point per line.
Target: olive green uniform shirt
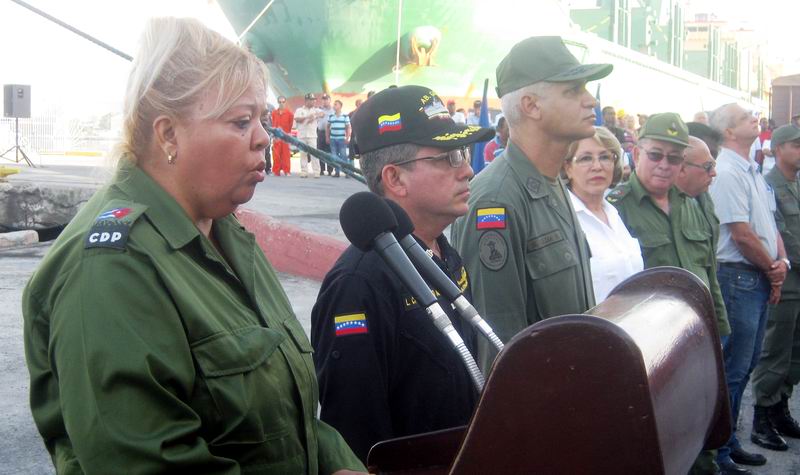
151	353
684	238
531	261
787	218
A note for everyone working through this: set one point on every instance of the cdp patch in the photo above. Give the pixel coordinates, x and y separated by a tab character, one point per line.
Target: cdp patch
113	236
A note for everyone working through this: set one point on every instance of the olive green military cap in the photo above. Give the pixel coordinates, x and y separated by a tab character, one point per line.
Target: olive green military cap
668	127
783	134
543	58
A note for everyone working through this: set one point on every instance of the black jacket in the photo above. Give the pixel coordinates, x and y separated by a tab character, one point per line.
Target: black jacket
399	375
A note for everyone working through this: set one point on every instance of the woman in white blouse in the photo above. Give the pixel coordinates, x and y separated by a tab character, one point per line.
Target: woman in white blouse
592	167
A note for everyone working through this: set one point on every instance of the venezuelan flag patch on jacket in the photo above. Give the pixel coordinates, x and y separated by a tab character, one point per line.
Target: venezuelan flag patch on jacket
491	218
350	324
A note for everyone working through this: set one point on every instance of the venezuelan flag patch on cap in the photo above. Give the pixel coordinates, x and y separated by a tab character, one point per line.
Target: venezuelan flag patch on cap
490	218
390	123
350	324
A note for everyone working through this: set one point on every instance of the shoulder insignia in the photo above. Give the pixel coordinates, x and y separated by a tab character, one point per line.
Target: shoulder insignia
350	324
490	218
112	226
618	193
493	250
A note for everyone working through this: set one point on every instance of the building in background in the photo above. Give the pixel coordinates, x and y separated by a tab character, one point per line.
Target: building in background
699	42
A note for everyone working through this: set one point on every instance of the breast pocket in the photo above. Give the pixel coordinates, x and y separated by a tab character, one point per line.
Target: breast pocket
654	249
244	380
699	243
546	262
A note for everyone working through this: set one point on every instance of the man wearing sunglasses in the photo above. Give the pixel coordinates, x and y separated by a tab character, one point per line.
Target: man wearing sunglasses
694	178
752	260
669	223
384	370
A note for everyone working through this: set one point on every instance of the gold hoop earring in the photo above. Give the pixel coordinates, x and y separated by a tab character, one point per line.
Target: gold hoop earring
170	159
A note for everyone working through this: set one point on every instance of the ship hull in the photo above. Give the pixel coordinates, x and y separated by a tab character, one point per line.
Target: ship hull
350	47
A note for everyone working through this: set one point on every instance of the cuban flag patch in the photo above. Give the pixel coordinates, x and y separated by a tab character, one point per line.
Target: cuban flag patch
350	324
116	213
491	218
389	123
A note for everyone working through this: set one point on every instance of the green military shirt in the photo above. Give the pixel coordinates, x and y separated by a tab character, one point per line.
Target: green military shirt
707	207
684	238
151	353
787	217
523	248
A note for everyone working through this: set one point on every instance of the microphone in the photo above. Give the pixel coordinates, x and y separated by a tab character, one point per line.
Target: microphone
368	222
428	268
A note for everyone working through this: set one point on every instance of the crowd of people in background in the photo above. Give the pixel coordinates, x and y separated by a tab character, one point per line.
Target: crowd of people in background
204	353
647	191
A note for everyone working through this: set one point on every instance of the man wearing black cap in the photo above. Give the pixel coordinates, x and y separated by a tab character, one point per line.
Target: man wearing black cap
522	245
384	369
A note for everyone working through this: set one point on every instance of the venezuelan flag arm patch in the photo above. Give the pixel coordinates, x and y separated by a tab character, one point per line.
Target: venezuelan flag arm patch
350	324
490	218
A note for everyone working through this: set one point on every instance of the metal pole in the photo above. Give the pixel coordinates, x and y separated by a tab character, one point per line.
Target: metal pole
397	57
73	29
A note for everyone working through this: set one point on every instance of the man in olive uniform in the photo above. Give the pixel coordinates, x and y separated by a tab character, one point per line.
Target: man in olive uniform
522	245
693	179
384	369
669	224
778	370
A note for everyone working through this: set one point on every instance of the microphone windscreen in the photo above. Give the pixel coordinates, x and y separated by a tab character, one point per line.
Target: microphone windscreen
364	216
404	224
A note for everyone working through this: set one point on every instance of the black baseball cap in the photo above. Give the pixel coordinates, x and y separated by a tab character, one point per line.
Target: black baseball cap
411	114
310	96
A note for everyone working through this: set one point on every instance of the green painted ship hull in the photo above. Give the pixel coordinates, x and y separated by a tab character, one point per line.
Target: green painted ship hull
350	47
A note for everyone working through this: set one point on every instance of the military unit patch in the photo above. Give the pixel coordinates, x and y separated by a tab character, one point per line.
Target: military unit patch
350	324
493	250
490	218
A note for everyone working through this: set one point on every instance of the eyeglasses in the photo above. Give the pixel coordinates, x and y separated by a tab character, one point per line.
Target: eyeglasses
707	166
606	160
281	102
673	159
456	157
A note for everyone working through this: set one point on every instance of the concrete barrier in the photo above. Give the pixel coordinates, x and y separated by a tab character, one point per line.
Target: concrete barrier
18	239
292	249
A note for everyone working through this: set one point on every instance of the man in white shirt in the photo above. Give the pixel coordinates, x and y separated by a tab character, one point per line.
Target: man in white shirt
306	118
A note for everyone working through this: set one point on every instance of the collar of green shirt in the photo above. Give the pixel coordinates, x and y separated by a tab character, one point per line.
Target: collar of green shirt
163	211
535	183
639	192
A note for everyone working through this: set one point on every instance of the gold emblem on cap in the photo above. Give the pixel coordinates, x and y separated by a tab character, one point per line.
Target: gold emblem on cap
673	129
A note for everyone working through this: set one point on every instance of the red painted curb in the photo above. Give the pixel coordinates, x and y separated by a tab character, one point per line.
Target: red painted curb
292	249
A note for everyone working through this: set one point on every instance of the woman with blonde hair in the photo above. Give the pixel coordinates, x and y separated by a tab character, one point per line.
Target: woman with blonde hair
157	335
592	167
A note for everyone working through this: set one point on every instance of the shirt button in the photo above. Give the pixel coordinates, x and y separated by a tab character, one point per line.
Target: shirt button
335	354
568	256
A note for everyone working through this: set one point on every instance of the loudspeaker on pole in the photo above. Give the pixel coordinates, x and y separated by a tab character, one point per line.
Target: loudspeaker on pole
17	101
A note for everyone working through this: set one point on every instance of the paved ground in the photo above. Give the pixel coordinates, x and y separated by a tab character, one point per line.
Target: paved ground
309	203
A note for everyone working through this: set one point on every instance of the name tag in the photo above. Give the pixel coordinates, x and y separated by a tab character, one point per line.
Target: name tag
544	240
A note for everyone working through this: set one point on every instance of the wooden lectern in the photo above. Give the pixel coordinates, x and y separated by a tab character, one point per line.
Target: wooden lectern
634	386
